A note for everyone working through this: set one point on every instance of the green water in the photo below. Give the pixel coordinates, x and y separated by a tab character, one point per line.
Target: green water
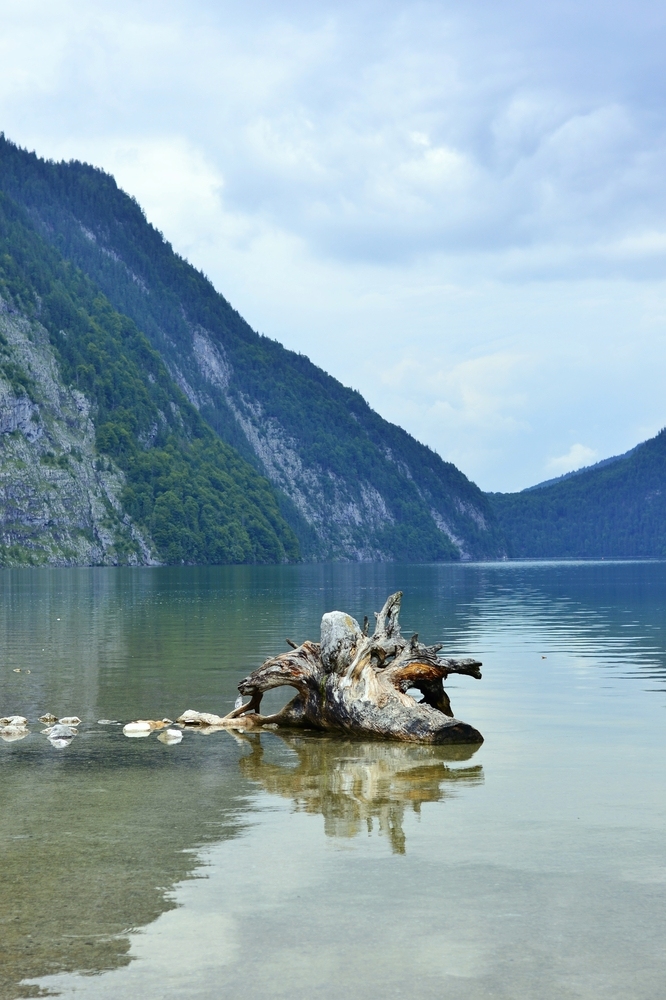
303	866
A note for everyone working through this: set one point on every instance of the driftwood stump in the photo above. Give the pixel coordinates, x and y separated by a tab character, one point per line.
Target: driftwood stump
358	683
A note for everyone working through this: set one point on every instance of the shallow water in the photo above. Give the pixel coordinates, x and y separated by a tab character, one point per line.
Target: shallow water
309	866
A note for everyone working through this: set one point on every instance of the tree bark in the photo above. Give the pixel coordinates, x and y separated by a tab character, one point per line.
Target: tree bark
358	684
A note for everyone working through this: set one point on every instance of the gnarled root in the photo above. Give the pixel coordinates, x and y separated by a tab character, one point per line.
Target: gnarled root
358	684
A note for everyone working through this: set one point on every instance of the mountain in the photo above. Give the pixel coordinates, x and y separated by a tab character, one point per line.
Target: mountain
579	472
103	459
349	484
616	508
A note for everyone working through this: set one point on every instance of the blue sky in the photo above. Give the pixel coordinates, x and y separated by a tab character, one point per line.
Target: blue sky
458	209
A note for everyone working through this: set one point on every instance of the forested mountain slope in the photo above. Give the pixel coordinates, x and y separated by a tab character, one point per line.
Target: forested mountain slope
352	485
614	509
102	457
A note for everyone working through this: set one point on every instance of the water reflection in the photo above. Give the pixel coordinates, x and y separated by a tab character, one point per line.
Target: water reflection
358	786
613	614
94	838
92	841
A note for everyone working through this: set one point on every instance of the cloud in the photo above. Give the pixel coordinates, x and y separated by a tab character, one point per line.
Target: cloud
471	193
578	456
376	132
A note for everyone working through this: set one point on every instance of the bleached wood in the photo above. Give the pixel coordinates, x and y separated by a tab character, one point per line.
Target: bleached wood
364	691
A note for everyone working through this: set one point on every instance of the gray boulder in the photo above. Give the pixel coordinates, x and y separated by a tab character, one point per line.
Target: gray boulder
340	635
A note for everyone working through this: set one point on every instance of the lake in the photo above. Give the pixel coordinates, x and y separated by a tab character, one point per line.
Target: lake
306	866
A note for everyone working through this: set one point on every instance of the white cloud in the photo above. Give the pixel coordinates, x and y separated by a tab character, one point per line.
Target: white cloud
473	194
578	456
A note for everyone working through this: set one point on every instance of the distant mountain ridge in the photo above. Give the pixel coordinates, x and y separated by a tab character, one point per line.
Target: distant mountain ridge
578	472
349	484
614	509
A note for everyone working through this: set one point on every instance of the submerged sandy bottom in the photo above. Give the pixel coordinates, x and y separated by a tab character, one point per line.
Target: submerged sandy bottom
279	865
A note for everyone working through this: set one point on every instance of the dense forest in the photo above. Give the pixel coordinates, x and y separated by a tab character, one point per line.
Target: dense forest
248	452
350	484
199	501
614	510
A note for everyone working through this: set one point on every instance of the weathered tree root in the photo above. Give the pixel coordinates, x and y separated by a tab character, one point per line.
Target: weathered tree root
358	684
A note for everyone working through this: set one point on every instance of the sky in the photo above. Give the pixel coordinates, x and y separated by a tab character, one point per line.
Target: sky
459	209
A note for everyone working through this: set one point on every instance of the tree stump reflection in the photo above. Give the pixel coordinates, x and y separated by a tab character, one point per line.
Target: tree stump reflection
358	786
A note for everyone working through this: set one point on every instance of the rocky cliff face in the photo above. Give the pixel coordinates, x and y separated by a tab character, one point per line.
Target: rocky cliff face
59	501
345	517
351	485
349	515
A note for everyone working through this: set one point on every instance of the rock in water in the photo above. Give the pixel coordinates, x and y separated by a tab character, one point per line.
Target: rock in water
60	735
70	720
60	732
48	719
59	743
11	733
139	728
145	725
340	635
13	727
170	736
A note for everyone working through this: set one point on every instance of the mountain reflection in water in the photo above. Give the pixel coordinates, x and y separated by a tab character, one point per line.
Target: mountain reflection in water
92	841
88	865
356	785
173	870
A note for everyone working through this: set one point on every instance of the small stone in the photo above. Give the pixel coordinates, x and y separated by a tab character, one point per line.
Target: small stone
17	670
14	720
60	732
9	734
70	720
106	722
48	719
59	743
141	727
170	736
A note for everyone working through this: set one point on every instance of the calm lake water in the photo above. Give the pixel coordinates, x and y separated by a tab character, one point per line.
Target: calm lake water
303	866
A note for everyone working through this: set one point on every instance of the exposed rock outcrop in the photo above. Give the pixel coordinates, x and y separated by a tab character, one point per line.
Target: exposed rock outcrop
348	515
351	485
59	501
